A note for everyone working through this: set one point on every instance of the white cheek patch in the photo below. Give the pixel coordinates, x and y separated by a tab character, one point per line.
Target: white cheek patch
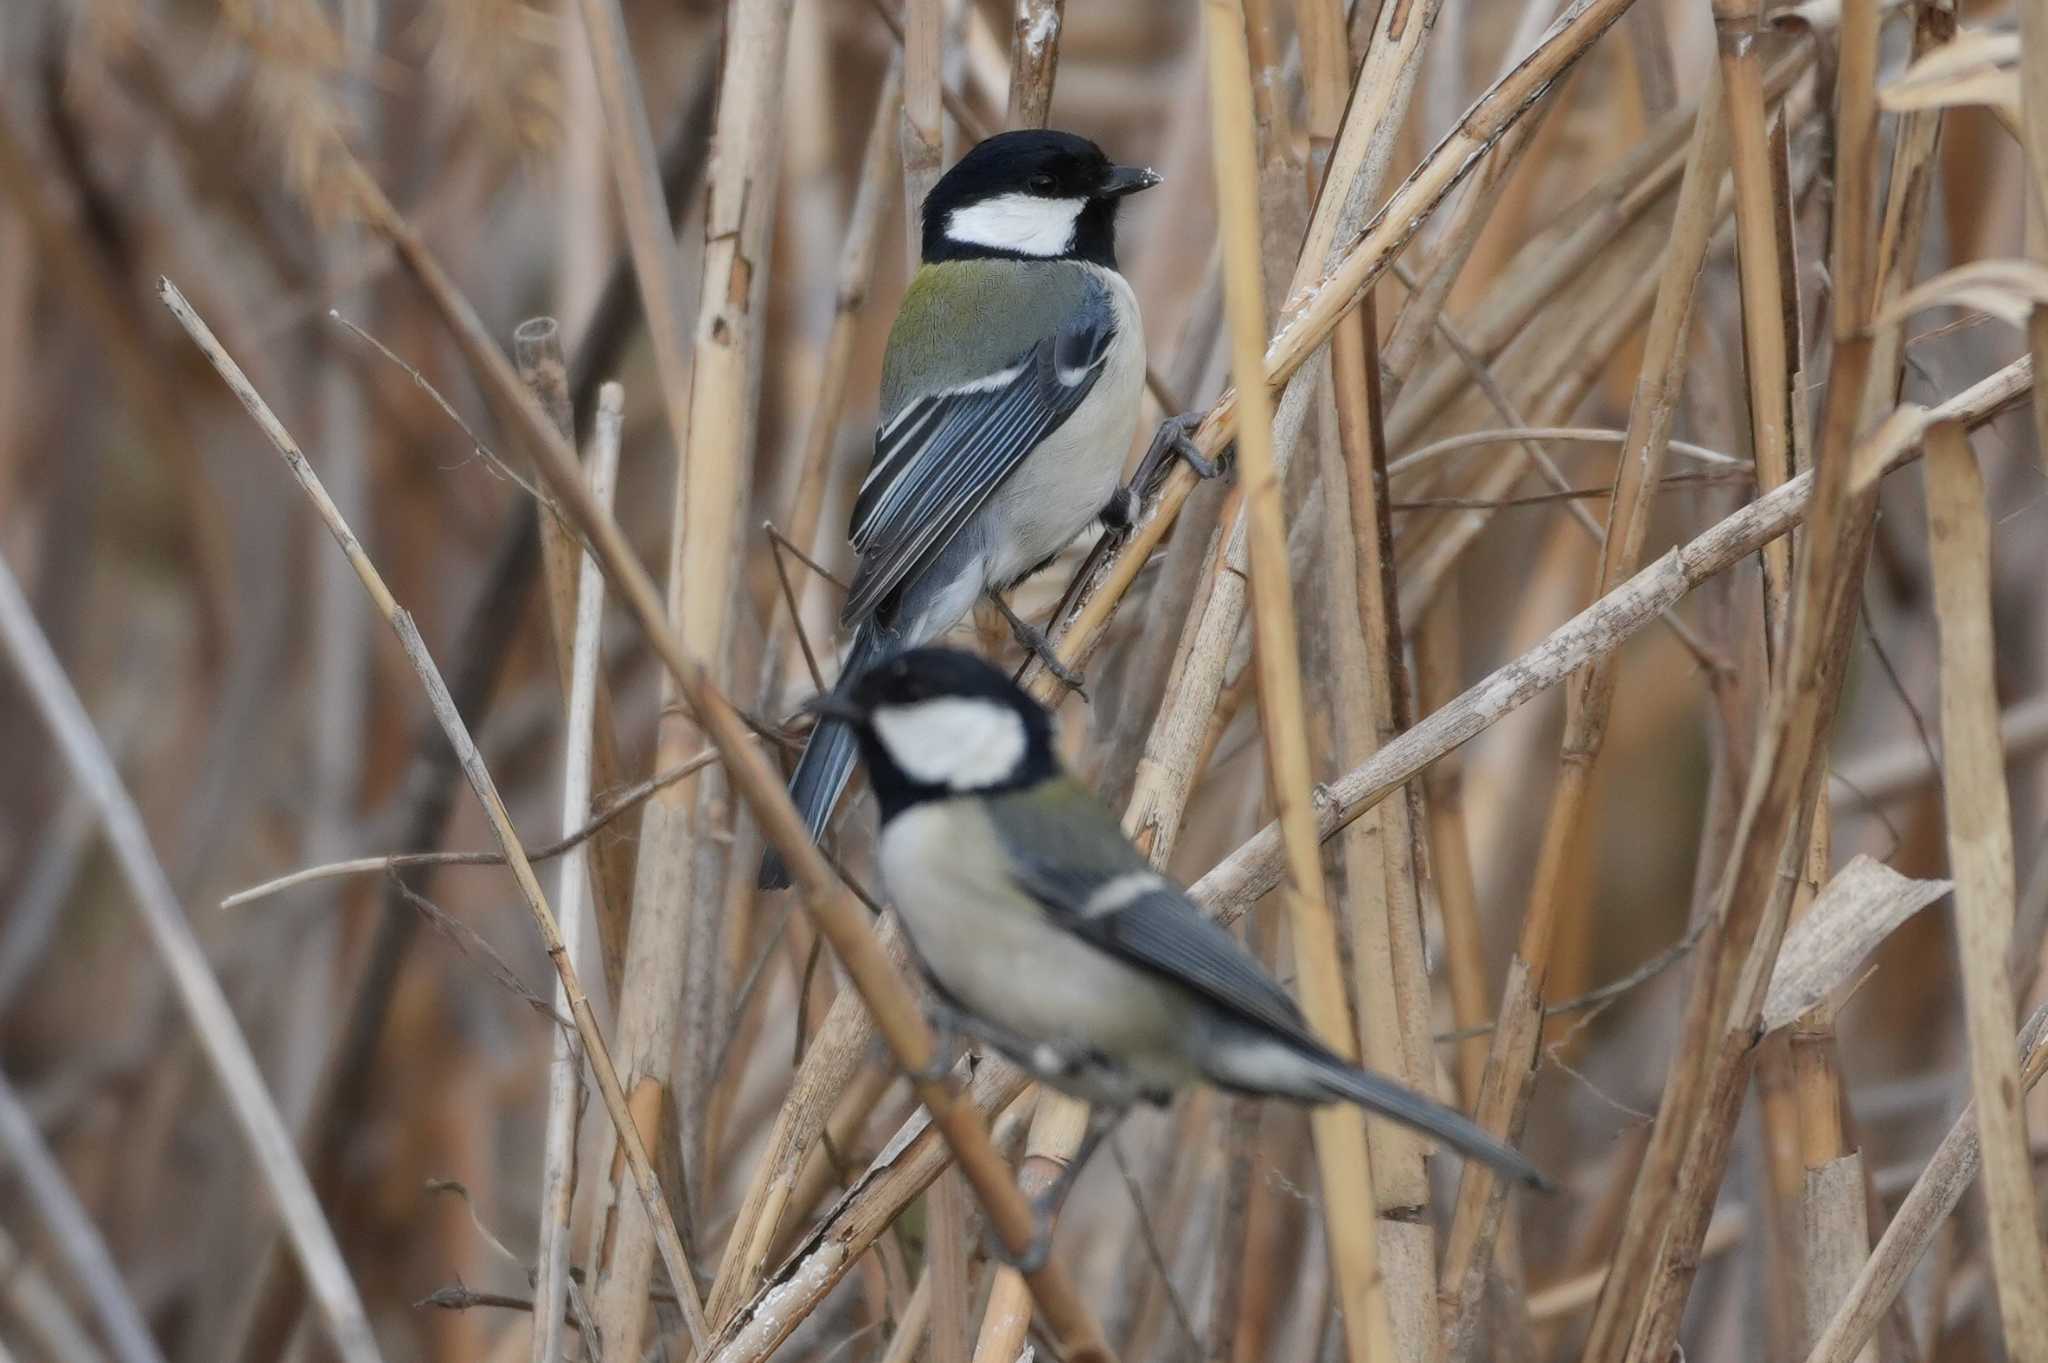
958	743
1023	223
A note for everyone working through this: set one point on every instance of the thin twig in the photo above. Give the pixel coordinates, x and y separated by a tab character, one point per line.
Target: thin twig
627	800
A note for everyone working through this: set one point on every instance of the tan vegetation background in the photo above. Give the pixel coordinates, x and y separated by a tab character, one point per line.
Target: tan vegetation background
311	174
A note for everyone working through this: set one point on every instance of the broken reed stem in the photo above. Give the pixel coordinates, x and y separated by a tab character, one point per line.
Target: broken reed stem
70	1229
1341	1155
1512	1059
1935	1194
480	781
1981	862
2033	16
220	1036
1034	61
1329	294
565	1070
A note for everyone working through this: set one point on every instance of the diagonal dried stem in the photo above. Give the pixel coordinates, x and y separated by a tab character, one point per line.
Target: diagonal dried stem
270	1142
594	1048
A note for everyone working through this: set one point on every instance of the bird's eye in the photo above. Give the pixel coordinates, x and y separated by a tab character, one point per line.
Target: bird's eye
1041	183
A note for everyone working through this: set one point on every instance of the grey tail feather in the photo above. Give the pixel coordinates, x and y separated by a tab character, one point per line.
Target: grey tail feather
827	761
1376	1093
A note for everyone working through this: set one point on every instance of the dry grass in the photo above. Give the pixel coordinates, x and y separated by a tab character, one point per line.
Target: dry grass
1763	708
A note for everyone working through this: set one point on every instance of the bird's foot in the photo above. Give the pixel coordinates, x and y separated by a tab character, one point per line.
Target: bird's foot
1034	641
1036	1254
1175	440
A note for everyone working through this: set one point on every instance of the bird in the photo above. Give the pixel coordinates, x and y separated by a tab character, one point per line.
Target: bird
1010	392
1044	934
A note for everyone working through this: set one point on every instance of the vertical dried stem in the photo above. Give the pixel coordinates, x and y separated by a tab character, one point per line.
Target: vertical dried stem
565	1070
537	347
672	962
220	1036
1339	1131
923	137
1981	861
1034	61
2034	122
1511	1062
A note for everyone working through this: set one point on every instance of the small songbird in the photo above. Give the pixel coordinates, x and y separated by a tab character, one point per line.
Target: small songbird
1010	393
1045	934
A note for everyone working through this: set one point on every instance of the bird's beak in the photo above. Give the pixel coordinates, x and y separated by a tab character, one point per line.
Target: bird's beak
835	707
1122	180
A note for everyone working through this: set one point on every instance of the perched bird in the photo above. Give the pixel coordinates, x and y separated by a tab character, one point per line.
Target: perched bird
1047	936
1010	394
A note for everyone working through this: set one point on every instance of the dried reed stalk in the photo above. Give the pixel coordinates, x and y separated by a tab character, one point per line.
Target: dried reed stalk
1511	1062
1981	861
582	1015
922	139
1382	860
1341	1155
1034	61
673	961
2033	16
565	1070
537	348
220	1036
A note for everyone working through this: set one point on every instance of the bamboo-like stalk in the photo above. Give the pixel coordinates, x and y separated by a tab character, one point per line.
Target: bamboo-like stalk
220	1036
1034	61
537	348
78	1242
565	1069
1981	862
673	962
922	139
1339	1132
1511	1061
584	1018
2033	15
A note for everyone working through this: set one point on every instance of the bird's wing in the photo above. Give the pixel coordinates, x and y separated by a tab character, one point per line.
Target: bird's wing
1085	874
941	454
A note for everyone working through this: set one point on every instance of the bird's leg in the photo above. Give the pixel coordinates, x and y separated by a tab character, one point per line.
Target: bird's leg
1046	1205
1035	643
945	1022
1174	440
